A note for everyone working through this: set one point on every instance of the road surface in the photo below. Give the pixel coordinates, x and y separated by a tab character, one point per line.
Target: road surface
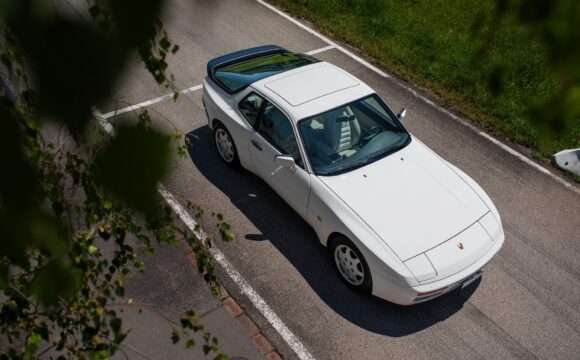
527	304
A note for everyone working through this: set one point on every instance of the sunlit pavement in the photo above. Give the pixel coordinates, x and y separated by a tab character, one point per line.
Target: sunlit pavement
526	304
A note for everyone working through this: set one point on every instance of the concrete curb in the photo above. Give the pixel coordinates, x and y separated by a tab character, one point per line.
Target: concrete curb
252	330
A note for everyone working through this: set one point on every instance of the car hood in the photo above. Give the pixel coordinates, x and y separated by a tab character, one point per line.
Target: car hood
412	199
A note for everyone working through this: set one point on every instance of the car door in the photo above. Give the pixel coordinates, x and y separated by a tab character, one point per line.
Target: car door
274	135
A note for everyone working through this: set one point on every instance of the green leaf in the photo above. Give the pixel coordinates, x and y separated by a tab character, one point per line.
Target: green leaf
92	249
53	281
32	343
131	165
107	204
185	323
164	43
174	337
190	343
207	349
116	325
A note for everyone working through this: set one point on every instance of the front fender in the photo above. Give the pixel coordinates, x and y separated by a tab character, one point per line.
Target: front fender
328	214
477	189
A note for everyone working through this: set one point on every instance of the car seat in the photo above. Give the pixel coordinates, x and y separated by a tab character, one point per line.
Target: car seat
341	129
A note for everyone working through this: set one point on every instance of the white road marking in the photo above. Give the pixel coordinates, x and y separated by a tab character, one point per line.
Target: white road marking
103	122
325	39
245	288
483	134
185	91
318	51
150	102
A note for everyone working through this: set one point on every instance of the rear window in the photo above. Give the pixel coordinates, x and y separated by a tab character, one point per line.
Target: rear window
238	76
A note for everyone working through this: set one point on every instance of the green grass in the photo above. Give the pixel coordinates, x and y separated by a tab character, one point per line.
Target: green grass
434	44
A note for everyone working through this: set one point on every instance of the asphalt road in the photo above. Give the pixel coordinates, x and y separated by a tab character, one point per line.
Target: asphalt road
527	304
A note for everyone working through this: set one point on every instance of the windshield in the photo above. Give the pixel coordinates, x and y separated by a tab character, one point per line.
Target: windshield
352	135
237	76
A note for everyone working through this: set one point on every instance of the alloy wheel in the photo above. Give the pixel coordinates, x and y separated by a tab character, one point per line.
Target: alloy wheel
225	145
349	265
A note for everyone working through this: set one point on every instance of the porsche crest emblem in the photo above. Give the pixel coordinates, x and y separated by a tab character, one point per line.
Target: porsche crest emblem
460	245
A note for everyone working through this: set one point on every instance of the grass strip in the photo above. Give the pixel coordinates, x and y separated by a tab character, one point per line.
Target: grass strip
435	44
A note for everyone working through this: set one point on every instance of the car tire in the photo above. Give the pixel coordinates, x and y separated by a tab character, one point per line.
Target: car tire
350	264
225	145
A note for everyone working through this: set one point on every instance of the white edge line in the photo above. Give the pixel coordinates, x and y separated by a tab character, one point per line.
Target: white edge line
244	287
483	134
242	284
325	39
149	102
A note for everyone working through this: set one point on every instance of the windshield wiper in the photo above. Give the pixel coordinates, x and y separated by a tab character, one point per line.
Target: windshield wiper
389	150
345	167
369	159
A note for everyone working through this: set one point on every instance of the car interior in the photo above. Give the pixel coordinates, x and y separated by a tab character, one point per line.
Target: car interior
333	135
349	132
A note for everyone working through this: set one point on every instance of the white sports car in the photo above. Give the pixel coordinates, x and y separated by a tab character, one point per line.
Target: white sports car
399	221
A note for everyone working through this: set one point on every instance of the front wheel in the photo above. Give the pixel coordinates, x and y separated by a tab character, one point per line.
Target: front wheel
225	145
350	264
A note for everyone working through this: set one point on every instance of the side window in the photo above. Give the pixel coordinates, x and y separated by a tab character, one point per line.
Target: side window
276	128
250	107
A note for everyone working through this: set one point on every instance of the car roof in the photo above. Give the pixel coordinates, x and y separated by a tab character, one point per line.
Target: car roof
312	89
321	80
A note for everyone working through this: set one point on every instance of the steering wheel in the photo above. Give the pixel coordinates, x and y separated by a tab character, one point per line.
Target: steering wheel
371	133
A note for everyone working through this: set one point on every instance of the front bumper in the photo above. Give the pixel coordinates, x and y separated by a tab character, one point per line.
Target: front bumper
409	295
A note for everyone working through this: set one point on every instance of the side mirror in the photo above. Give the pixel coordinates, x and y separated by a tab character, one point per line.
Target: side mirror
401	114
283	161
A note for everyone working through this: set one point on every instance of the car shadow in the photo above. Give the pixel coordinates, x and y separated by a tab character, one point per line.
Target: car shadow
299	244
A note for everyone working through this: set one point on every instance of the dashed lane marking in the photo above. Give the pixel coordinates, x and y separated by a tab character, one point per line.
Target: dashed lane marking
322	49
149	102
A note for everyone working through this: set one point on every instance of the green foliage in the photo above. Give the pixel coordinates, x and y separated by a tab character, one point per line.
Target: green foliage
496	61
130	165
62	201
555	25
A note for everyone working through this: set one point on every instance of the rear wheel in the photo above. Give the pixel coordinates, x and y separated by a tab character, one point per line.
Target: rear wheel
225	145
350	264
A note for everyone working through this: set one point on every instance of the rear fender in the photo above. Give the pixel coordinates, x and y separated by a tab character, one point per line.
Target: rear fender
220	107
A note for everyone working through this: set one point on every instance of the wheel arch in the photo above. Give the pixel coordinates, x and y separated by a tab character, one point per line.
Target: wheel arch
332	237
215	122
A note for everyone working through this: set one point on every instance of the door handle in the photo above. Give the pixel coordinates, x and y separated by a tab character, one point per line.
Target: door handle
256	145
